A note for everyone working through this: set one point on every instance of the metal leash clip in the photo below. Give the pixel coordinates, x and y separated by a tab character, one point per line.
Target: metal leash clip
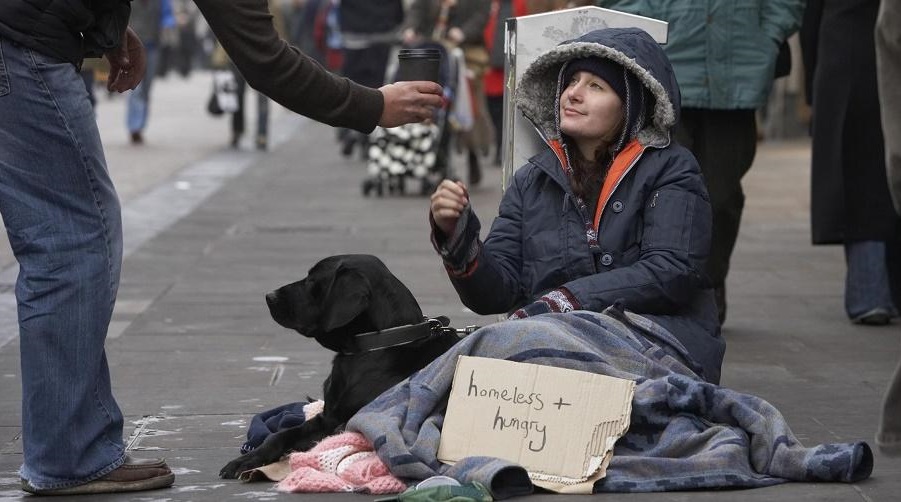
440	325
461	332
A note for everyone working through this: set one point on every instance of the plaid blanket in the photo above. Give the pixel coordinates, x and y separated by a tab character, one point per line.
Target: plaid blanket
685	433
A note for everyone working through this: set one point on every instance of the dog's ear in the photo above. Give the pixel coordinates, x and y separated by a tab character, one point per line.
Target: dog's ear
347	298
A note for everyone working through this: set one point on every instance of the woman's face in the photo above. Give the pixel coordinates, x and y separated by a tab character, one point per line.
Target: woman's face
591	113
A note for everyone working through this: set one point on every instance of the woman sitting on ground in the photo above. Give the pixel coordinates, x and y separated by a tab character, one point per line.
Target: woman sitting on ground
612	212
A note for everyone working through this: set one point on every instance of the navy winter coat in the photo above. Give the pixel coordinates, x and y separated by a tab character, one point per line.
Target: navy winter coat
653	225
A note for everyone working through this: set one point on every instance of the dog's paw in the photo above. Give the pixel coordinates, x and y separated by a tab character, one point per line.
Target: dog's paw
243	463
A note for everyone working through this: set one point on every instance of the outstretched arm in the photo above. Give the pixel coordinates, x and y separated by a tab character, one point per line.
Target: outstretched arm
485	275
296	81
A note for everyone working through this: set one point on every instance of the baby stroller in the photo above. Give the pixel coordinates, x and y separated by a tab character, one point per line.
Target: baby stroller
419	151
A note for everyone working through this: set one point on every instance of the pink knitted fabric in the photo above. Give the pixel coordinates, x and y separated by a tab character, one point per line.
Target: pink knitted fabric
341	463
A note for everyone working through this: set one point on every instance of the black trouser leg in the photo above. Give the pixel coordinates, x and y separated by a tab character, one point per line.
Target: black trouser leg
724	142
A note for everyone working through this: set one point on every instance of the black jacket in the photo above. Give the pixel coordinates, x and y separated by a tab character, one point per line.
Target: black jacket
370	16
68	29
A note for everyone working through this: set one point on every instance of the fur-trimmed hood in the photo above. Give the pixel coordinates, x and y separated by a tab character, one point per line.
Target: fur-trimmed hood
538	92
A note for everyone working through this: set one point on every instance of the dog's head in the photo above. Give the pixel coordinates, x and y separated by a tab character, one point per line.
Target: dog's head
343	296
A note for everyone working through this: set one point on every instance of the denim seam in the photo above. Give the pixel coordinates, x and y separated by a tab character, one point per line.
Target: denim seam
88	172
104	222
102	407
4	75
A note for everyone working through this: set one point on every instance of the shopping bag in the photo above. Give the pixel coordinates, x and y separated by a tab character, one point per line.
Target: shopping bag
224	98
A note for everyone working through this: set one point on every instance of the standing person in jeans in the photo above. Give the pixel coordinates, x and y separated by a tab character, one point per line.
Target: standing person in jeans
148	19
888	74
62	216
63	219
850	202
220	60
261	140
724	57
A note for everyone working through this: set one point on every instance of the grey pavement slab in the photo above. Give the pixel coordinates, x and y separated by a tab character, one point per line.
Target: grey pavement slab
196	354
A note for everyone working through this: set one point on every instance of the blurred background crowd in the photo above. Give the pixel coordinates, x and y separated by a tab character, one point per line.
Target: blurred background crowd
733	97
357	38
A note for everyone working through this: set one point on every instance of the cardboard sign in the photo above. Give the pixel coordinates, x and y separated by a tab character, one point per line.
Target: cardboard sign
559	424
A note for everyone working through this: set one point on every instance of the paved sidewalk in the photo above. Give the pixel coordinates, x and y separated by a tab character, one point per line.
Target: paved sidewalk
185	158
195	353
179	133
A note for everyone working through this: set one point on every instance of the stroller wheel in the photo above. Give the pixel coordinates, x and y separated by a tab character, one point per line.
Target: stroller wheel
347	146
426	186
364	149
395	184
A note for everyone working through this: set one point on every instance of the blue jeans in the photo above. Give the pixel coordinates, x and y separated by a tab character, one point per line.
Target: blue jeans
138	108
63	219
867	281
238	119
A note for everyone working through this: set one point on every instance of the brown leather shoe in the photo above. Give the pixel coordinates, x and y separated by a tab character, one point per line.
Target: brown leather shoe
132	476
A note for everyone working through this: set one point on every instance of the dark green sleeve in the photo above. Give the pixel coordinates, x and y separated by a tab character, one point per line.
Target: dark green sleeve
291	78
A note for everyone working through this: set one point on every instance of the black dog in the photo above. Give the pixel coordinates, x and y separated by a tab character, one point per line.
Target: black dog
346	303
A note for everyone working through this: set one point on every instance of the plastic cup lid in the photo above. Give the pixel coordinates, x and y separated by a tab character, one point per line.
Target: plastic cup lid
437	481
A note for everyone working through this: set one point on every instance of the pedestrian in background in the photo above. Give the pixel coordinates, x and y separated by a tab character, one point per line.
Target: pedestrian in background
494	43
888	73
369	30
149	18
850	201
302	26
62	217
220	60
724	56
494	75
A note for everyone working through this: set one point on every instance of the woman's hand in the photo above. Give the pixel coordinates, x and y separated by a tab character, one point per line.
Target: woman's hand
448	202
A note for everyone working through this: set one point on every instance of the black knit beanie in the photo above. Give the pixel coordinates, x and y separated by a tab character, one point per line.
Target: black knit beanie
612	73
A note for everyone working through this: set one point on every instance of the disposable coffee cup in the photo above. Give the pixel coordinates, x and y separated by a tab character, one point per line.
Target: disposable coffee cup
418	64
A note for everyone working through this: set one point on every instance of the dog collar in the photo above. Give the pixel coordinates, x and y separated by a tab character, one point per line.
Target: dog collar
402	335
